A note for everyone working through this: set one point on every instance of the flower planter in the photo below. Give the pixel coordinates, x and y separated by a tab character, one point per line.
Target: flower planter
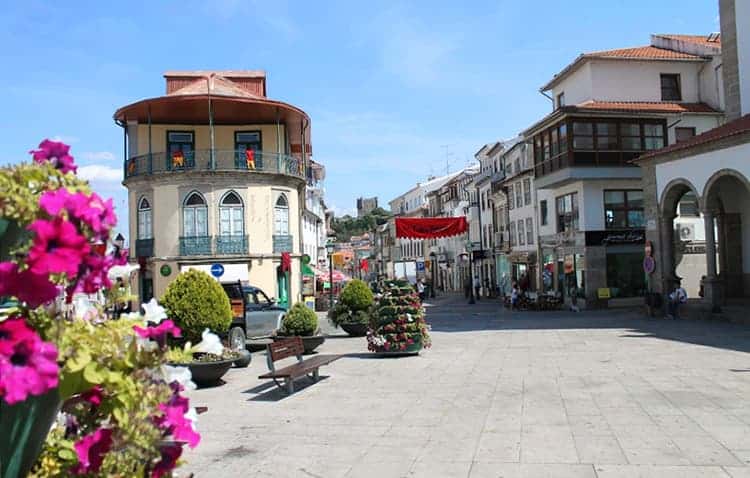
208	373
355	329
244	360
412	349
23	428
310	342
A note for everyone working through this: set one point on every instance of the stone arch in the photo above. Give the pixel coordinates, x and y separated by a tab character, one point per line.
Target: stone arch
672	194
718	175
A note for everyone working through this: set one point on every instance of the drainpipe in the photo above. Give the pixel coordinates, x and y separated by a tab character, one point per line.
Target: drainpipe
150	160
552	100
212	163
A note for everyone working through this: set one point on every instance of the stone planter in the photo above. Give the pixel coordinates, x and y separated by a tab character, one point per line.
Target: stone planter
355	329
310	342
244	360
208	373
23	428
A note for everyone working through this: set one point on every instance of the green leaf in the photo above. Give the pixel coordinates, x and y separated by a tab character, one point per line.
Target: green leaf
66	454
93	374
81	360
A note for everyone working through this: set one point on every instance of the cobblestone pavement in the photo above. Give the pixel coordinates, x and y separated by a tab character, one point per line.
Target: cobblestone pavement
556	394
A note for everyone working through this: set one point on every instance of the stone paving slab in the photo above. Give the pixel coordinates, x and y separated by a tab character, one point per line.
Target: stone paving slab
596	394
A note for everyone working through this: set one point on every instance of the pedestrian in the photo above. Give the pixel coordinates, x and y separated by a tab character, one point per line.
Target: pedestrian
420	290
676	298
514	296
574	298
477	286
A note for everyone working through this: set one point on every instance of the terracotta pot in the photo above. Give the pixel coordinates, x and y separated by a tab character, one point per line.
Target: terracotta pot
23	428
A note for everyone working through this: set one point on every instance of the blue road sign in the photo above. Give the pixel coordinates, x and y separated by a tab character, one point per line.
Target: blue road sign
217	270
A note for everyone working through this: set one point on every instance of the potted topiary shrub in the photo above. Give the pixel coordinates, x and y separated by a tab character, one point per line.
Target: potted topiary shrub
398	326
354	309
302	322
198	305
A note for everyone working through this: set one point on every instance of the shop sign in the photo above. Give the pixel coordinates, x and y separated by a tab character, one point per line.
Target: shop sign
580	262
568	265
603	293
165	270
420	266
480	254
611	238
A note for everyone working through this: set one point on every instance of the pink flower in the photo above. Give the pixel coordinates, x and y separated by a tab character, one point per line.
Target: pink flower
34	289
91	450
159	332
57	247
94	274
93	396
90	209
56	153
28	365
174	420
169	456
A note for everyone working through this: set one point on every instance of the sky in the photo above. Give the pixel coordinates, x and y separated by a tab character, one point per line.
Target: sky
396	91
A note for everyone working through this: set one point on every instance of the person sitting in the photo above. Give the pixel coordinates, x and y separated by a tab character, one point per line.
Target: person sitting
676	298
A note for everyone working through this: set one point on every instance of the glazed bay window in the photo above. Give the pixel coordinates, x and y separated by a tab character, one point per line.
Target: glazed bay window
630	136
527	191
567	212
529	231
521	234
519	194
653	136
543	212
623	209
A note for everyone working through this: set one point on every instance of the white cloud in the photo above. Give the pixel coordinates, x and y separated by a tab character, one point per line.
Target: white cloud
65	139
98	156
99	173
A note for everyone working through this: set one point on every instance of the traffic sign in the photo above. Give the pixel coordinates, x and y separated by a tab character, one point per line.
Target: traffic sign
217	270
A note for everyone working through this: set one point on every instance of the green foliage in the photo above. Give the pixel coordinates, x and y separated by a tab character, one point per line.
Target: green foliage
397	324
300	320
195	301
346	226
357	295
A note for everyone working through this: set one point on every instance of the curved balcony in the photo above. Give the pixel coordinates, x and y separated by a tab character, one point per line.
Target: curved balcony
214	160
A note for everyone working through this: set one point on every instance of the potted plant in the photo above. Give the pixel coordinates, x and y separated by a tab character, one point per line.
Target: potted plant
301	321
354	309
200	308
398	325
80	393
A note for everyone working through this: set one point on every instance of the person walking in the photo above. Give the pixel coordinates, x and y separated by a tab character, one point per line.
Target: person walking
420	290
514	296
676	298
477	286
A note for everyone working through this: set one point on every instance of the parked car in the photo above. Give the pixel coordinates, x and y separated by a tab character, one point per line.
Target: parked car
255	315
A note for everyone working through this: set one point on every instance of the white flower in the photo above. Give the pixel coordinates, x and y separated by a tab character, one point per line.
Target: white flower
192	415
84	309
145	344
153	312
180	375
122	272
209	344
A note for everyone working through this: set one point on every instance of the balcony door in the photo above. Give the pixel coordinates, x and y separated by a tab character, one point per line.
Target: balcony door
231	216
180	150
195	216
245	141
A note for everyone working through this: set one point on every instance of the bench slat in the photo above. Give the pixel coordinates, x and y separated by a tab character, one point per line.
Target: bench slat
281	349
301	368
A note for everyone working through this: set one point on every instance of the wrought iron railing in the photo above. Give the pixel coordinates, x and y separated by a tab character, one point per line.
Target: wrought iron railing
195	246
231	244
144	247
214	160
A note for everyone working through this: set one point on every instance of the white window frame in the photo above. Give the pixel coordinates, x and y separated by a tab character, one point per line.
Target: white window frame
145	219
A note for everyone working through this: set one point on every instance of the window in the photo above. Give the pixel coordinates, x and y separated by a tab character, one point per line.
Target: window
145	228
248	140
543	212
538	156
519	195
555	142
517	166
529	231
563	138
670	87
561	100
527	191
683	134
567	212
688	205
194	216
512	234
653	136
631	136
511	197
545	142
281	216
606	136
180	148
583	136
623	209
231	215
521	235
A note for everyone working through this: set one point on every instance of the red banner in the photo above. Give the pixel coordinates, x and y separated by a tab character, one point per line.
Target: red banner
430	227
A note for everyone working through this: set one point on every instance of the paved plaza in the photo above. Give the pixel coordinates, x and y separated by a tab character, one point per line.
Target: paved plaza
605	394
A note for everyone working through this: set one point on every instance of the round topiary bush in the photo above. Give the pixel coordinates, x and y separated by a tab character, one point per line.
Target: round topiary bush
357	295
195	301
300	320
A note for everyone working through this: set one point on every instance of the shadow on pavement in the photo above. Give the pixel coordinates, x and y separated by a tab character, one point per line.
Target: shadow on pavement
275	394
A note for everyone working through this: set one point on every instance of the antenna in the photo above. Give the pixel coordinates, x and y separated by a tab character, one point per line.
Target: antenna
447	155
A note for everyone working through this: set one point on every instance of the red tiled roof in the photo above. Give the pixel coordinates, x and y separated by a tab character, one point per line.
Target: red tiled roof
699	39
643	53
219	86
641	107
738	126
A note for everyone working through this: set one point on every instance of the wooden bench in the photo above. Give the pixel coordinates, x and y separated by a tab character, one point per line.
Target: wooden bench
293	347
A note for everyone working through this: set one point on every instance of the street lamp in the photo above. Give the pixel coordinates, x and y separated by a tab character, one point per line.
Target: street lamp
329	250
433	267
471	272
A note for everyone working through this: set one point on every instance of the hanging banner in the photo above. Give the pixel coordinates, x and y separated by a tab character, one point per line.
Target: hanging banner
430	227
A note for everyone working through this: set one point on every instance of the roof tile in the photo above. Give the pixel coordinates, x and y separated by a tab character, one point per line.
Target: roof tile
641	107
643	53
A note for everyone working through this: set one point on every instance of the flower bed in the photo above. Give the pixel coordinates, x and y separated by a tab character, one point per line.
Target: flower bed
398	325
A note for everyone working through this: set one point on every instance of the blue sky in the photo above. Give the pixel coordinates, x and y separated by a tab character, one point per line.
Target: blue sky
391	87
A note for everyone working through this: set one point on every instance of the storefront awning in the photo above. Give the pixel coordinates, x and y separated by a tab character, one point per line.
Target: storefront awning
430	227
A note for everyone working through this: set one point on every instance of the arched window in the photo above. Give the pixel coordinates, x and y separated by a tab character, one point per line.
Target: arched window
145	228
194	216
231	215
281	216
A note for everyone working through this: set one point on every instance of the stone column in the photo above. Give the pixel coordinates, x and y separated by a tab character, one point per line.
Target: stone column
712	288
666	237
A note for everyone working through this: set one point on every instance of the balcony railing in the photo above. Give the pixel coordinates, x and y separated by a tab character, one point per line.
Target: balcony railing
231	245
195	246
282	243
220	160
144	247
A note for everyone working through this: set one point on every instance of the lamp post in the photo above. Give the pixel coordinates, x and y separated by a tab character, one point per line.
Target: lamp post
471	272
433	266
329	250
